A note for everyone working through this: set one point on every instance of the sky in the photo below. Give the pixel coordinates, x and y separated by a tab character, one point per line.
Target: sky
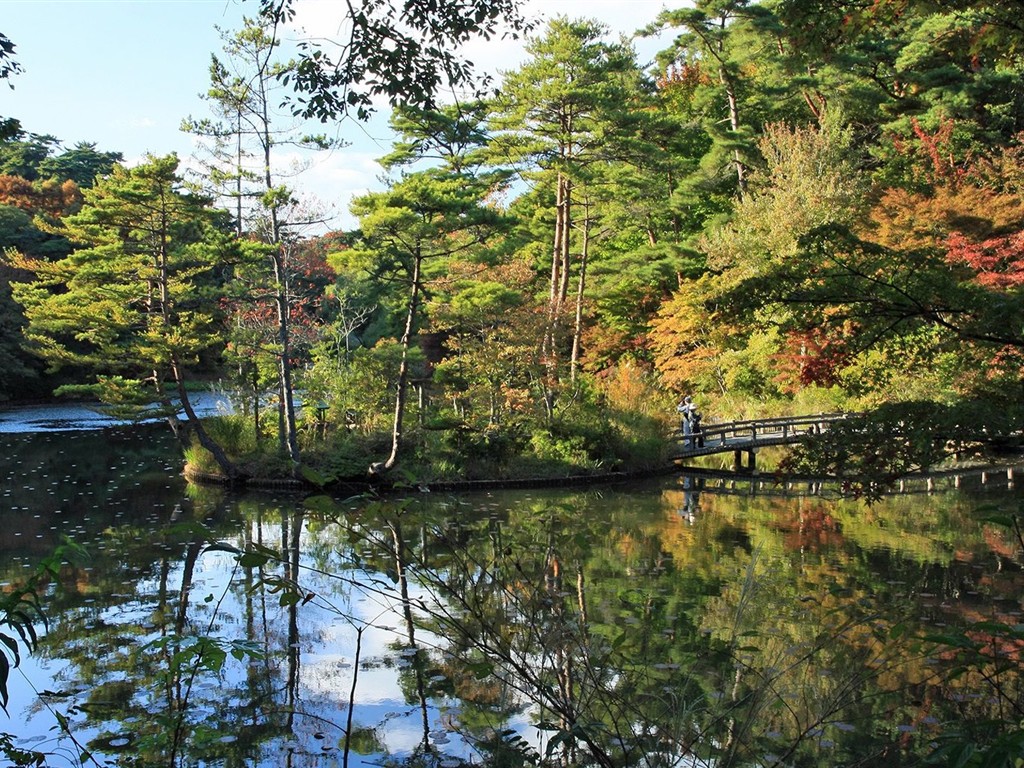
123	74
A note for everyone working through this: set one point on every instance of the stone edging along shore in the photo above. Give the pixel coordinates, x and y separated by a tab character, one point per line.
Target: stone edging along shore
299	485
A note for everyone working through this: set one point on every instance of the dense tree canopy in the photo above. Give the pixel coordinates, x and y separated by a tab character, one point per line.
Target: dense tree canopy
804	205
801	205
136	301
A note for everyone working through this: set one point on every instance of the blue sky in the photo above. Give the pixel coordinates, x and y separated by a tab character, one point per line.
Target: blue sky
124	73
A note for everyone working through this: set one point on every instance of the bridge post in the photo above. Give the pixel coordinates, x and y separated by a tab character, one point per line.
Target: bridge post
737	461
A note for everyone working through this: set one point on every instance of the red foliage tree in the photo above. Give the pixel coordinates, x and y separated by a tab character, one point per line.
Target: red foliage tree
998	261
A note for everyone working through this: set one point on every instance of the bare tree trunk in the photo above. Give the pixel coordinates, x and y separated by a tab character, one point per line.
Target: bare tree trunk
284	359
403	368
556	248
563	287
557	262
577	331
734	123
560	260
228	467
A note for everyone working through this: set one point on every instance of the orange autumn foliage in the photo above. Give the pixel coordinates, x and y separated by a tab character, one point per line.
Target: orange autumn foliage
913	220
50	198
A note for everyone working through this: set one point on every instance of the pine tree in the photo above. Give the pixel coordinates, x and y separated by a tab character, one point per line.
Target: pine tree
137	302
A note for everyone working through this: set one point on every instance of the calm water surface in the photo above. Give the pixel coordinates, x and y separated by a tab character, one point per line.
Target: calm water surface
690	624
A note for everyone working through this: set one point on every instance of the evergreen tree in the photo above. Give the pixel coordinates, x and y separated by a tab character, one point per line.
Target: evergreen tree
136	302
82	164
246	137
558	118
408	233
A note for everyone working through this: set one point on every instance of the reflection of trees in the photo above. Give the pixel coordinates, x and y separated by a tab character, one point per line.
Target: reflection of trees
623	652
143	669
618	633
512	607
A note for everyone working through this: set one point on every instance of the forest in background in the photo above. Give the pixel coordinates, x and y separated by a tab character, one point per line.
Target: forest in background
805	206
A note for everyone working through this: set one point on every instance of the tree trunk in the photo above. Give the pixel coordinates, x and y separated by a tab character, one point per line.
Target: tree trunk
290	435
577	331
734	124
403	368
548	350
228	467
563	287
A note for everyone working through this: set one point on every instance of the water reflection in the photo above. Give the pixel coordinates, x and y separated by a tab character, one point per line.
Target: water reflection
77	417
669	624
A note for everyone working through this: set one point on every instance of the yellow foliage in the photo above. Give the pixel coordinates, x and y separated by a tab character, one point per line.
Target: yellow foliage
627	387
912	220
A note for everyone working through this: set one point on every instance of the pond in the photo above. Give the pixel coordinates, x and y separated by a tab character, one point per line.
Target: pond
685	621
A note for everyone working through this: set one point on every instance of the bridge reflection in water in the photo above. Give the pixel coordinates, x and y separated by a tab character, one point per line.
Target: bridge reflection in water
720	482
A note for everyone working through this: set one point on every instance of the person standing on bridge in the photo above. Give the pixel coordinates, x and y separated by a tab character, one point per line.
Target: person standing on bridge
695	430
686	410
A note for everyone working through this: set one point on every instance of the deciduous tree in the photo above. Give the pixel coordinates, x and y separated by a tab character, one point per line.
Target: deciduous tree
401	50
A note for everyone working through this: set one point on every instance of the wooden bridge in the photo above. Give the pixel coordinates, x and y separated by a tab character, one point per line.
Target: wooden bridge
748	436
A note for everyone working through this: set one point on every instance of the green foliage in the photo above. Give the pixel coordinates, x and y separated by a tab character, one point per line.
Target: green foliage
560	451
22	156
94	307
403	56
871	451
18	756
36	157
82	164
21	610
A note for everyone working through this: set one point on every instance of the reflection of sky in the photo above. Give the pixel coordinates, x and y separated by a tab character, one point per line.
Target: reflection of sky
219	605
71	417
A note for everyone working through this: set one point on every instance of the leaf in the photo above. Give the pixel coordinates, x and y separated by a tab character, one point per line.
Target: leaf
953	641
253	560
12	646
561	737
220	546
955	754
322	504
5	672
314	477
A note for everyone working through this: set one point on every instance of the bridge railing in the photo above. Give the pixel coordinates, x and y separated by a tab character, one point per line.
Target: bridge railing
785	426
